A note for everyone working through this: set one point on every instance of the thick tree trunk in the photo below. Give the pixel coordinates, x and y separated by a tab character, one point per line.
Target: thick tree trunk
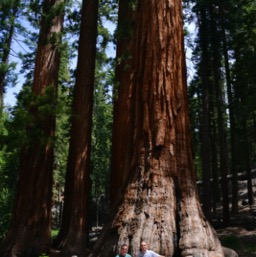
123	109
160	204
72	239
30	230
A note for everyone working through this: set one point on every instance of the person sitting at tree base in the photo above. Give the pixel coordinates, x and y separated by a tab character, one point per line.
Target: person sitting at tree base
123	251
144	252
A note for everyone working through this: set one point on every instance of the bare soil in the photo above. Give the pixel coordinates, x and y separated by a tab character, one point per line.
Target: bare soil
240	235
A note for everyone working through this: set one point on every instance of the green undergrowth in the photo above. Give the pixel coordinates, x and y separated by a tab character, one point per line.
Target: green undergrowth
231	242
54	233
242	245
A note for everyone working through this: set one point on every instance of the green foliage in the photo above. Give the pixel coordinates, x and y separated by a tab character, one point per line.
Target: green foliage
101	132
101	135
8	174
102	111
108	10
3	131
251	249
29	116
62	139
239	244
54	233
8	15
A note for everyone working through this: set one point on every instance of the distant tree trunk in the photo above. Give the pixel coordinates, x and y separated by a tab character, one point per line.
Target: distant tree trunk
6	52
233	151
72	239
214	160
29	233
122	132
205	145
254	121
248	164
160	204
224	167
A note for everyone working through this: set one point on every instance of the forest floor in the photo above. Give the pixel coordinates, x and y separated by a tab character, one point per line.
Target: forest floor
240	235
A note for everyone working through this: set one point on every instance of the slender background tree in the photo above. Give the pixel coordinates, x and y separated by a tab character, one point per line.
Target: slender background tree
73	234
30	229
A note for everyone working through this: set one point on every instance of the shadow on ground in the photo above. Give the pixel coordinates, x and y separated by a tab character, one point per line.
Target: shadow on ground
240	235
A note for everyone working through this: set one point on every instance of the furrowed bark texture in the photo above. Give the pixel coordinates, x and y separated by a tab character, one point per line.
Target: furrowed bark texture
72	239
29	233
123	108
161	204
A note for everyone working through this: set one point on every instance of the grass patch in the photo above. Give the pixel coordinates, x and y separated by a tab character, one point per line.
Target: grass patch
250	249
244	246
230	242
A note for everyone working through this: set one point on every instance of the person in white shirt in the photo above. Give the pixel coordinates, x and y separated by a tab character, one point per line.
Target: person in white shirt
144	252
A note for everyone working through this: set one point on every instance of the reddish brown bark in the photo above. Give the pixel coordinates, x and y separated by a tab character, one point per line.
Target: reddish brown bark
72	239
30	228
123	108
160	204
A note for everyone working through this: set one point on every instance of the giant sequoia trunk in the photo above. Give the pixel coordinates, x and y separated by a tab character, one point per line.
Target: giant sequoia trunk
160	204
72	238
30	229
123	108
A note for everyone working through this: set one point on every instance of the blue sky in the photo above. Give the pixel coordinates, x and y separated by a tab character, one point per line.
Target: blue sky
11	92
18	46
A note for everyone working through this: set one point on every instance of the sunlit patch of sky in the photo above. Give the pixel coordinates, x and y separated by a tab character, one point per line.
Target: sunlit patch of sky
18	46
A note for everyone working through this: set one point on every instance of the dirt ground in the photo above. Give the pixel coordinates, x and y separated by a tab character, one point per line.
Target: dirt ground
240	235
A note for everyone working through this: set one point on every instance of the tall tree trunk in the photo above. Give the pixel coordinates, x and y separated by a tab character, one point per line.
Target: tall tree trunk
233	147
123	109
29	233
205	145
160	204
248	164
72	239
6	51
216	59
214	160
